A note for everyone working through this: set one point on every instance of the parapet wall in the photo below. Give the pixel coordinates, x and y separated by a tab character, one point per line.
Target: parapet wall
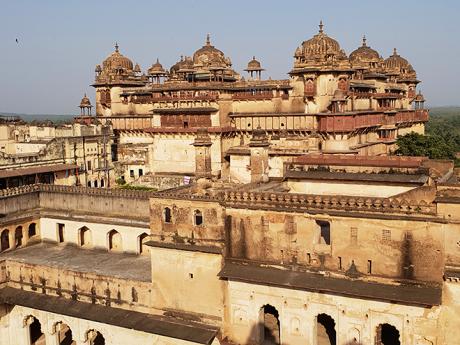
107	202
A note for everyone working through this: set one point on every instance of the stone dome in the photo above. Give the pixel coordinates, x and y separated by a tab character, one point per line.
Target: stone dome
116	60
183	63
85	102
254	65
319	46
156	68
398	63
210	56
364	53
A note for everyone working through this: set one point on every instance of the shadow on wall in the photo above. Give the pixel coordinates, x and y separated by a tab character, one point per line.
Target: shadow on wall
255	337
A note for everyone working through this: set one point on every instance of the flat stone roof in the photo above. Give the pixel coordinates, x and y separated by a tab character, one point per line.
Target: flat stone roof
154	324
69	257
414	293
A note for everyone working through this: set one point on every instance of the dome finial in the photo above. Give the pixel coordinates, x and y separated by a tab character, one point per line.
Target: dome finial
253	57
208	39
321	27
116	47
395	52
158	60
364	41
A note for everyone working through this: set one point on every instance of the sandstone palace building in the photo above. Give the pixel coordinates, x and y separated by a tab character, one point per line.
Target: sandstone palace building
290	221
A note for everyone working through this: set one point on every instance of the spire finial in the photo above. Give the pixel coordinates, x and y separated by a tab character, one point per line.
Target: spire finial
158	60
321	27
364	41
253	57
208	39
182	58
395	52
116	47
85	95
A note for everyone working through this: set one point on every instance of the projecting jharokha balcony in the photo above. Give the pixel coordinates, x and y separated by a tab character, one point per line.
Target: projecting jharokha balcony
346	122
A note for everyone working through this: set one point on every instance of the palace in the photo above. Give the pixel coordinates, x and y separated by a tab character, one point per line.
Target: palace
332	103
296	225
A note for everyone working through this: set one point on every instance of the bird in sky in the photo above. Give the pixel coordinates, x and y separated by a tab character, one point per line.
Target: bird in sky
17	41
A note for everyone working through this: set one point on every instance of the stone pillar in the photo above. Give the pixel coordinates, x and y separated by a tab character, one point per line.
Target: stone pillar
202	145
259	146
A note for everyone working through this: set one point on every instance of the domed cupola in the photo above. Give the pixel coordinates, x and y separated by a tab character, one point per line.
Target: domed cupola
116	60
118	69
364	53
320	50
210	56
396	65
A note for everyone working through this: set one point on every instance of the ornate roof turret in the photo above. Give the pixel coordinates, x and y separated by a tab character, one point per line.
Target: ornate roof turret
118	69
117	60
156	68
366	58
254	65
210	56
85	102
364	53
397	65
319	51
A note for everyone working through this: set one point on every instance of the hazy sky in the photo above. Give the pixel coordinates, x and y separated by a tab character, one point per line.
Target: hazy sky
60	42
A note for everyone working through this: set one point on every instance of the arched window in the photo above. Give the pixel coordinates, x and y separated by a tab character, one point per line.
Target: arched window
167	215
115	242
95	338
32	230
64	334
102	183
325	330
198	217
387	335
85	237
141	240
18	236
270	325
325	231
35	331
89	183
5	240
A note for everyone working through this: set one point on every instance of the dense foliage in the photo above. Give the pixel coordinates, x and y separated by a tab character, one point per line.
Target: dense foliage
442	139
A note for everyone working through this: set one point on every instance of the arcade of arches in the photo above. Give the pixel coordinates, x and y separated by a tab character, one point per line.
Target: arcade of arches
270	330
16	236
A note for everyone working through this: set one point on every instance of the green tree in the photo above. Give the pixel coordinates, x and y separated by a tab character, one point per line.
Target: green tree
432	146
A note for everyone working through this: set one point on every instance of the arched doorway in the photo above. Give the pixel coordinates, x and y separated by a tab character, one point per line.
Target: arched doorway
95	338
35	331
64	334
18	236
32	230
5	240
115	242
387	335
270	325
141	240
325	330
85	237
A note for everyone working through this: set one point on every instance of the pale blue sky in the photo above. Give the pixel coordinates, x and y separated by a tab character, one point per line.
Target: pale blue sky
60	42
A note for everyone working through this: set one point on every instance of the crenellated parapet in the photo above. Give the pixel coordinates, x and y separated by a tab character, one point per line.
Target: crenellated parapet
333	203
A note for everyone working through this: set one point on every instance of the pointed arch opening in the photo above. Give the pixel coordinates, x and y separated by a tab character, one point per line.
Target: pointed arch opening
5	240
325	330
387	335
32	231
143	249
37	337
18	237
270	325
64	334
95	337
85	237
115	241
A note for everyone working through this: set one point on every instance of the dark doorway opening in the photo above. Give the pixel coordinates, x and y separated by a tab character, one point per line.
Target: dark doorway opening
271	326
387	335
325	330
